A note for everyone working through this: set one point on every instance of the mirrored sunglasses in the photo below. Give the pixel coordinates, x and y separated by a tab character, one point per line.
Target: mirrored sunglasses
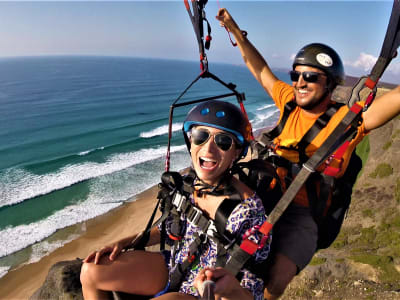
200	136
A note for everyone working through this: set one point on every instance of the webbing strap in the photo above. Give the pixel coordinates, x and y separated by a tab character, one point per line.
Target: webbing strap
389	48
319	156
197	16
314	130
388	52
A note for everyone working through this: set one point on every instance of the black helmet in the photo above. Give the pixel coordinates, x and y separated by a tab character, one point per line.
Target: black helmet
221	115
324	58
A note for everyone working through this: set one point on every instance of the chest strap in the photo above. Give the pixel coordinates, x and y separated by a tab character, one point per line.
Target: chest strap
320	123
209	229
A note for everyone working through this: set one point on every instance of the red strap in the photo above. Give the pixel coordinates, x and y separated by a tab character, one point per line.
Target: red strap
370	83
356	108
332	171
249	246
175	238
266	228
186	4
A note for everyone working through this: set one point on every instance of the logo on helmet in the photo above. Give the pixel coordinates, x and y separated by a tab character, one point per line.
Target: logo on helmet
324	59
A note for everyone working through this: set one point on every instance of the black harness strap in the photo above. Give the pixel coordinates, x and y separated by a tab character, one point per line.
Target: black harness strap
390	44
388	52
319	124
197	16
214	230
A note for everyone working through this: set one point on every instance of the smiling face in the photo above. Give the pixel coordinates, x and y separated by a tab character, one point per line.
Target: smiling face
209	161
308	94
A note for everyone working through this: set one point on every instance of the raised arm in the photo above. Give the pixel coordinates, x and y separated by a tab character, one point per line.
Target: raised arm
383	109
253	59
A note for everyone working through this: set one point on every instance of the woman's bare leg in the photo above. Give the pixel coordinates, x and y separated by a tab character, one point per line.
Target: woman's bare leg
133	272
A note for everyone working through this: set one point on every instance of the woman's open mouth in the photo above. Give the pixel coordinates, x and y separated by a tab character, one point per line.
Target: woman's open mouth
207	163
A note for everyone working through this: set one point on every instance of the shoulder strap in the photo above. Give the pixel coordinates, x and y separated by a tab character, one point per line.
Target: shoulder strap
318	125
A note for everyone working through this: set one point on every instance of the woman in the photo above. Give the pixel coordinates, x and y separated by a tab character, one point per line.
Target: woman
217	135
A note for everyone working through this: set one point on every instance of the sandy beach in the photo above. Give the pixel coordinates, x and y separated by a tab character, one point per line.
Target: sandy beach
121	222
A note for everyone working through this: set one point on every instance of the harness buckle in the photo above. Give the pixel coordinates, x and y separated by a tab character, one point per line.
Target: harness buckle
195	216
178	201
250	246
211	229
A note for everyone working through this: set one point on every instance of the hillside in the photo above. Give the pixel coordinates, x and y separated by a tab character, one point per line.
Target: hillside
364	261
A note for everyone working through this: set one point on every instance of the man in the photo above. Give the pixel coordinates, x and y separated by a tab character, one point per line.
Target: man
317	70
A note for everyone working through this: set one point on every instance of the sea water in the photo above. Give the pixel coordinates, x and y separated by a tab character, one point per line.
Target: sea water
80	136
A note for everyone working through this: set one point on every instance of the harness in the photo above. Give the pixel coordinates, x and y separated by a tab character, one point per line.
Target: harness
266	148
339	139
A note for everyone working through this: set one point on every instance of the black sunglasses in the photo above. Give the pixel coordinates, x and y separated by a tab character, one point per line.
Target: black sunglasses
308	76
200	136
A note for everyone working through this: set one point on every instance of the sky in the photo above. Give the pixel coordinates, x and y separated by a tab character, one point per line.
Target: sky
162	29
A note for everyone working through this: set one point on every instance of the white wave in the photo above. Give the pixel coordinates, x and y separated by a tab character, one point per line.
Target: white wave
20	237
83	153
3	270
161	130
266	107
105	193
17	185
265	120
44	248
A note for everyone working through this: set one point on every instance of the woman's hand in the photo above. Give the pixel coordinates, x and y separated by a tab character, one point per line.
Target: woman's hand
226	285
114	251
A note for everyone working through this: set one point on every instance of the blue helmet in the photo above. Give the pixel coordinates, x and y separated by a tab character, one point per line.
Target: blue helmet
221	115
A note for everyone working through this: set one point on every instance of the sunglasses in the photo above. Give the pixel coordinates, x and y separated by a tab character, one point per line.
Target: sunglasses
308	76
200	136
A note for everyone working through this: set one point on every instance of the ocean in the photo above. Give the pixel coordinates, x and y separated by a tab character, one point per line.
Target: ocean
82	135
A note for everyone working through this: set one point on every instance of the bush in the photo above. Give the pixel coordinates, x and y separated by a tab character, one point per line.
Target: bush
382	170
397	191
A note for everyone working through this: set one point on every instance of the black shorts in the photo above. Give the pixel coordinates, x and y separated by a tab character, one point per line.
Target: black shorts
295	235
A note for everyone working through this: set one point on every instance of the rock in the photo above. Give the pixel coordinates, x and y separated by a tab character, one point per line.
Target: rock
62	282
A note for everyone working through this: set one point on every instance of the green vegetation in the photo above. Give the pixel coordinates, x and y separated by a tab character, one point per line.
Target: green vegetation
397	191
388	275
317	261
363	150
396	134
382	170
386	239
387	145
367	213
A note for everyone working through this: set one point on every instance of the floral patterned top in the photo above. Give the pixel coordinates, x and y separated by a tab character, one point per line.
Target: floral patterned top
249	213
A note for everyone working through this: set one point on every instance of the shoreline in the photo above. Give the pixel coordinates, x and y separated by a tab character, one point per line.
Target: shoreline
120	222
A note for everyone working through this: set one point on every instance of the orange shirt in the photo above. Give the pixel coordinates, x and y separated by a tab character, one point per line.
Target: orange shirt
297	126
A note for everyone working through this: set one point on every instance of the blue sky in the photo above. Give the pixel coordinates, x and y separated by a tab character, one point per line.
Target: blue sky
163	30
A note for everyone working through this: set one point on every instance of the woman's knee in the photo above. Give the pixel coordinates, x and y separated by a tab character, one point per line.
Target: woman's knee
88	275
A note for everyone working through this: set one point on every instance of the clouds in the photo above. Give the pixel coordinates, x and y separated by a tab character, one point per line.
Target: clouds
366	61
